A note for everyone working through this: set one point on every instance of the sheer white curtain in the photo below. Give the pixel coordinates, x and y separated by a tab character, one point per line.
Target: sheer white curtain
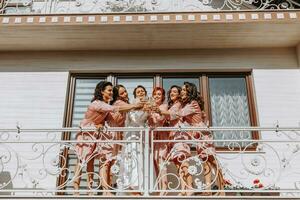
229	108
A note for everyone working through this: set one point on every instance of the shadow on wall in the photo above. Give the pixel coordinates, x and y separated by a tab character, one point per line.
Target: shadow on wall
5	183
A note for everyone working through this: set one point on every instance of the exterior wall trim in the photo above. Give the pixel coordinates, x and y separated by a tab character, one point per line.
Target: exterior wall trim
151	18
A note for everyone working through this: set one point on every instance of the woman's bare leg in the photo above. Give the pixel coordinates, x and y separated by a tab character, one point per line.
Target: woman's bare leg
77	177
181	178
163	184
90	172
105	175
207	177
219	176
187	178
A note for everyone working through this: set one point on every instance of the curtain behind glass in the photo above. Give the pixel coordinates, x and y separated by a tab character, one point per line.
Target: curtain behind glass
229	108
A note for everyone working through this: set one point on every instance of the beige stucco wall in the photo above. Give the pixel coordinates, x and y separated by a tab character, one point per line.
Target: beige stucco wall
151	61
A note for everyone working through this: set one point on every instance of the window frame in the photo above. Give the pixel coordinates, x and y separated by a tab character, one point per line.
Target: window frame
158	81
250	100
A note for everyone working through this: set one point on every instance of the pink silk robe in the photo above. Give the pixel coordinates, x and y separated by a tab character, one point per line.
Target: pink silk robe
192	115
157	120
180	151
96	114
116	119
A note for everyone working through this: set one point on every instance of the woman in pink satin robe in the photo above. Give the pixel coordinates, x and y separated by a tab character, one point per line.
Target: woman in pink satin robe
180	151
160	150
192	114
117	119
95	117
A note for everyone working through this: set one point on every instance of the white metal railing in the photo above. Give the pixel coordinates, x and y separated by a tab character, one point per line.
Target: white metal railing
151	162
134	6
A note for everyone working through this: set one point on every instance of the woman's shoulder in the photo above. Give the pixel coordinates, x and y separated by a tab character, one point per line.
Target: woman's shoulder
176	105
119	102
163	106
195	105
98	102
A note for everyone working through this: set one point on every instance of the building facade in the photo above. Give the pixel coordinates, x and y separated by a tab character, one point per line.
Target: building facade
243	56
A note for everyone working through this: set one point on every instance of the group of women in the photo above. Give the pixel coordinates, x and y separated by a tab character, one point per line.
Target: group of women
111	105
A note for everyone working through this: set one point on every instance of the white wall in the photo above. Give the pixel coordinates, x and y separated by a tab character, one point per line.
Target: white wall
33	100
37	98
278	96
278	101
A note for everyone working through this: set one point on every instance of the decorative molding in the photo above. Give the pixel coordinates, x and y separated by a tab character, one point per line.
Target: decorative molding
138	6
151	18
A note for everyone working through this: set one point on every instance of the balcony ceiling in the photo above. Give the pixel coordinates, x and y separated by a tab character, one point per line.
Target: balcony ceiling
216	30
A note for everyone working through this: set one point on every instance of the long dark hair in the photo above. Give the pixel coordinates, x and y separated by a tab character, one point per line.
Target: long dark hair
116	94
193	95
170	102
139	86
100	87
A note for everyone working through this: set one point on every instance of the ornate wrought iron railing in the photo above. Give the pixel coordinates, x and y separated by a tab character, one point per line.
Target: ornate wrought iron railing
134	6
150	162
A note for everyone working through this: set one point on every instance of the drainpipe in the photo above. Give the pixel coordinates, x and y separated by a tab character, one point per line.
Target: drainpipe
298	54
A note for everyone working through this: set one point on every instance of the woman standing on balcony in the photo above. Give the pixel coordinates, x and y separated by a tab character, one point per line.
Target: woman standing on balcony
156	119
192	115
131	174
117	119
95	117
180	151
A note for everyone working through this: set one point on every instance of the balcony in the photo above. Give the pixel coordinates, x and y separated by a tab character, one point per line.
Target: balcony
40	163
138	6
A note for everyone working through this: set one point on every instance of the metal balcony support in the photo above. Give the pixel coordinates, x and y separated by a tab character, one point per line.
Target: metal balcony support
30	156
146	162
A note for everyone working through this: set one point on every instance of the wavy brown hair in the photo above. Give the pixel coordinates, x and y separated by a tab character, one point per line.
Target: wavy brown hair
170	102
116	94
193	95
100	87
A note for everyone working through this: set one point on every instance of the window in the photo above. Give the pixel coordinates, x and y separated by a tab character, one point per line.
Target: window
229	108
228	97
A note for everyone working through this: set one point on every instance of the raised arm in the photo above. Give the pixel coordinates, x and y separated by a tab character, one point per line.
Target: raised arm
173	112
157	117
101	106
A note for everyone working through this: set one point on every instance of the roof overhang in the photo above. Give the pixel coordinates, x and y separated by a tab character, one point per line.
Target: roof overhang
253	29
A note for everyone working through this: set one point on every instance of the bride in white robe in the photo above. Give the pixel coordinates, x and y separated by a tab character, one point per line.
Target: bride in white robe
131	168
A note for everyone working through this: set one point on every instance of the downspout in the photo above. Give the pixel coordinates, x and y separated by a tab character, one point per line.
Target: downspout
298	54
